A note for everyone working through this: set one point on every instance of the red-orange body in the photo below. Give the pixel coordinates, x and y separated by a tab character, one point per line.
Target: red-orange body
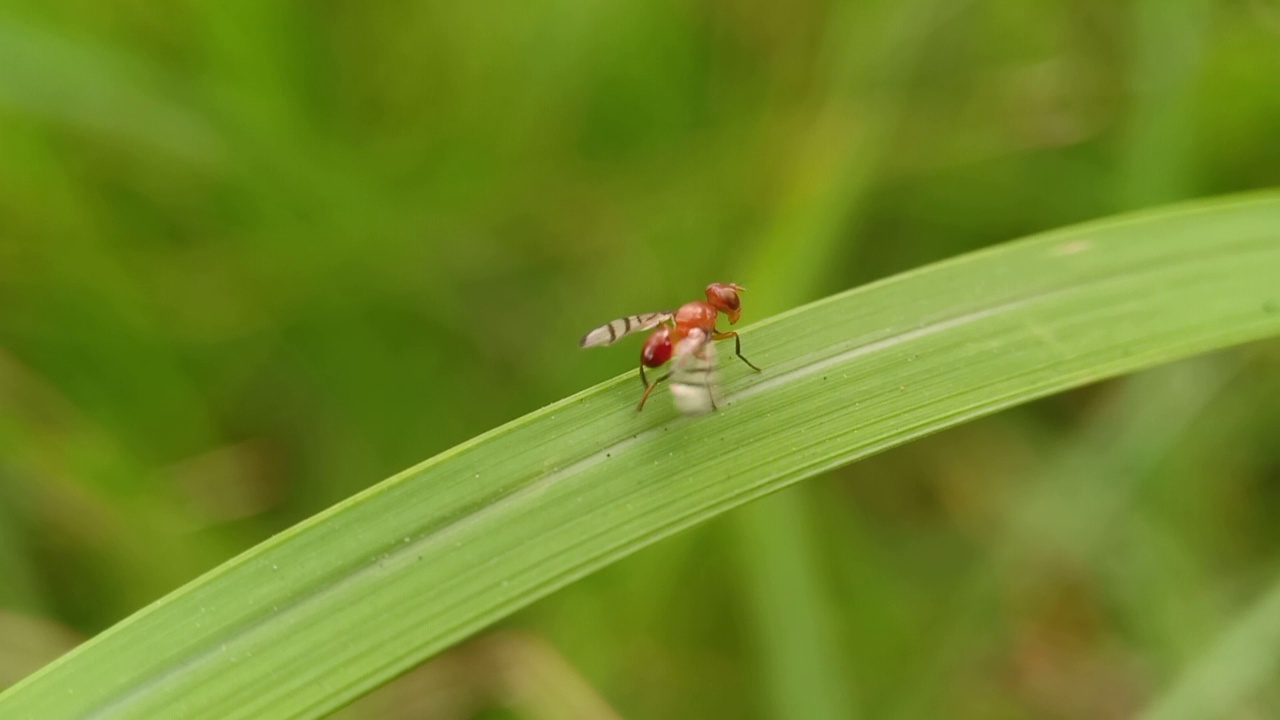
695	315
693	321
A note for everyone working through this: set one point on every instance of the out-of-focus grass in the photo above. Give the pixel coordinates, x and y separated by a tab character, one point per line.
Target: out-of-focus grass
304	623
243	244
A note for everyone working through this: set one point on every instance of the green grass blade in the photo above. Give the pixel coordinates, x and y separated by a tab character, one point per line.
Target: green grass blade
339	604
1238	666
1242	662
805	673
1158	148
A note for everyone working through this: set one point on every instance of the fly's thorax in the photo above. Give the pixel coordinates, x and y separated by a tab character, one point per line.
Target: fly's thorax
697	314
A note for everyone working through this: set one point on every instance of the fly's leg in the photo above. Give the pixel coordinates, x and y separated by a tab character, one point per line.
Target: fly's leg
737	346
648	386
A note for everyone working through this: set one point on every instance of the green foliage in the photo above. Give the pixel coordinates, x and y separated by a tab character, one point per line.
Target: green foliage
255	256
305	622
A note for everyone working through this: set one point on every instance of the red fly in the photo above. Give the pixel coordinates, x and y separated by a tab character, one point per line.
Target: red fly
683	336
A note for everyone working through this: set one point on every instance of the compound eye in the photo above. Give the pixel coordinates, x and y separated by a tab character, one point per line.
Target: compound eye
724	297
657	348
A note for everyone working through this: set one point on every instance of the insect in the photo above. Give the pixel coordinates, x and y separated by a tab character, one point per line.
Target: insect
683	336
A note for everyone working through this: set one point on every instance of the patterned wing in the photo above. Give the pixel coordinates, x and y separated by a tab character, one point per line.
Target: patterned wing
693	374
614	329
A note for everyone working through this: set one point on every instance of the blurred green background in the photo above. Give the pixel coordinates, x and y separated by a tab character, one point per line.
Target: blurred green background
257	256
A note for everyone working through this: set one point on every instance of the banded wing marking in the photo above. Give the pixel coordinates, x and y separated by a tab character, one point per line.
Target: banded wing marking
622	327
